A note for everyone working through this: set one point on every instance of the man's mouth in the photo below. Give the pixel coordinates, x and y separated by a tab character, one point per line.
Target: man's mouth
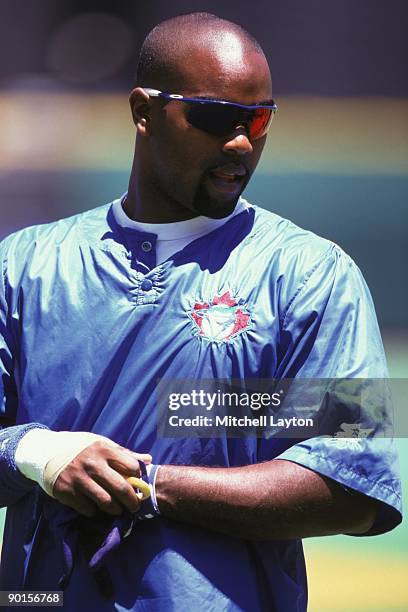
228	176
229	172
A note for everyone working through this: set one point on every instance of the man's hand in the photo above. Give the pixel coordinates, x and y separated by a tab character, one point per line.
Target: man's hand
96	479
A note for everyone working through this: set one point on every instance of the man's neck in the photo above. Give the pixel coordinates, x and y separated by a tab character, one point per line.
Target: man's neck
145	203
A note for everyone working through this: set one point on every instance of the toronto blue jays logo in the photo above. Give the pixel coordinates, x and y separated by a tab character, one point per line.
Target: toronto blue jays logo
220	319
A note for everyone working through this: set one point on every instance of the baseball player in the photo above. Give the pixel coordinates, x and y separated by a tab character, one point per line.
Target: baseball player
180	278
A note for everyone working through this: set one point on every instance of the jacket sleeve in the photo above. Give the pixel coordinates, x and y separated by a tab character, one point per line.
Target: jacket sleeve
13	485
329	332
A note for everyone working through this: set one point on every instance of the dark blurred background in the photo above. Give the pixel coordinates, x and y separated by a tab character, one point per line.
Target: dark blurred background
335	161
344	48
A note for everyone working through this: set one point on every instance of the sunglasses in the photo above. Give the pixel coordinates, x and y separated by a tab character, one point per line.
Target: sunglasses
221	118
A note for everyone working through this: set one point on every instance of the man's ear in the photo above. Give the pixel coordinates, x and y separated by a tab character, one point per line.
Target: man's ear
140	105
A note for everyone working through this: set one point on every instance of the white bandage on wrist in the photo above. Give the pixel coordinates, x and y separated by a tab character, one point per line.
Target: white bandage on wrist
42	454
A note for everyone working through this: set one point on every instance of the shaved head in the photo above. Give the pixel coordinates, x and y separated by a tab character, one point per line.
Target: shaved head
181	167
171	46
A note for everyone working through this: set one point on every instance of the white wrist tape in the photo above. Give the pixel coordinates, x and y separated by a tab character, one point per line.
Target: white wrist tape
152	484
42	454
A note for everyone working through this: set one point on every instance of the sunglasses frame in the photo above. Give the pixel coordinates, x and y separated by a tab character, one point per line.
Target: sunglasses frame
156	93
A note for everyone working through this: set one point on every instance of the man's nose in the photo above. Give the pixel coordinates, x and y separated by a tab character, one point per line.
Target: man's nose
239	143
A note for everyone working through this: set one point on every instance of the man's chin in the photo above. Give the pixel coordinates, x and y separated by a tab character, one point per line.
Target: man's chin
213	206
215	209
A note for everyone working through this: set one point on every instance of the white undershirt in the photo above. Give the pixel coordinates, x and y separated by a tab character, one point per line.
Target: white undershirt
172	237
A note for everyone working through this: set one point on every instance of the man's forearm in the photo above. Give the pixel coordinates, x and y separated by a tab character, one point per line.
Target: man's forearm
272	500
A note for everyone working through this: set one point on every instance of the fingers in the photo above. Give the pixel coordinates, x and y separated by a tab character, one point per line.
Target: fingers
93	497
96	479
126	461
75	500
119	489
105	501
145	458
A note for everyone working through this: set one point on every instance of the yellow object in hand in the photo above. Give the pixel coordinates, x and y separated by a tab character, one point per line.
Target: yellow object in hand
141	485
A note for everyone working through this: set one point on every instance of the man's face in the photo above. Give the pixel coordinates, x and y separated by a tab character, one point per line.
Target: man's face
195	171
